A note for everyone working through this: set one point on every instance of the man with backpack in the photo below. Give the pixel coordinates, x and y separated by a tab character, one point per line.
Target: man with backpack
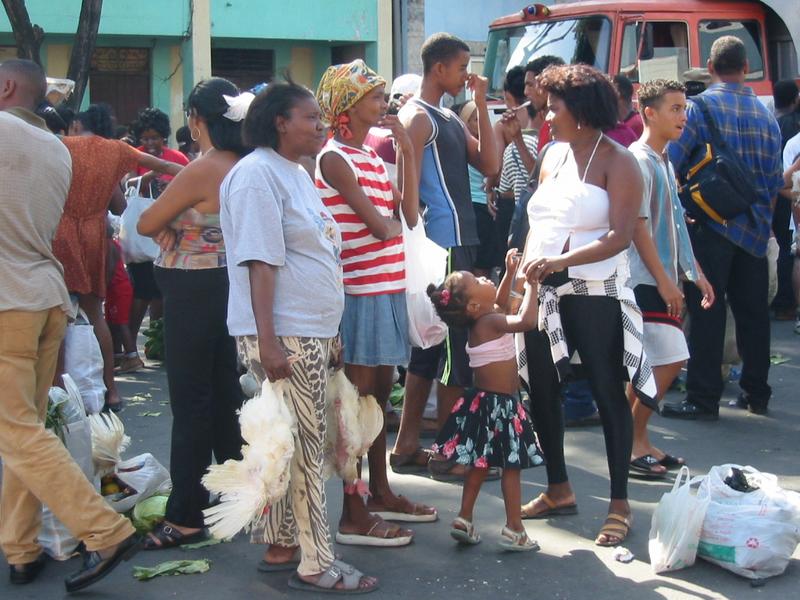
731	248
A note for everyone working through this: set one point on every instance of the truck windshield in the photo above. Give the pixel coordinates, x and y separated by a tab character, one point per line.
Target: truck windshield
582	40
747	31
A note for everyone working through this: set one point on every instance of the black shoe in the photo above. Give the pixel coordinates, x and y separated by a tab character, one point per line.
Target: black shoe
689	411
756	407
21	574
95	567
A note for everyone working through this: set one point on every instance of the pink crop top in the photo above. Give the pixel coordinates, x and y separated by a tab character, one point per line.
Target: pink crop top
496	350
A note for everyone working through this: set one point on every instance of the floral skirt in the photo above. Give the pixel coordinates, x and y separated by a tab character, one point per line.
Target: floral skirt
487	429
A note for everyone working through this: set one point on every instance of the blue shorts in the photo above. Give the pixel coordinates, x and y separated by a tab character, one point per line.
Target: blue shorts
375	330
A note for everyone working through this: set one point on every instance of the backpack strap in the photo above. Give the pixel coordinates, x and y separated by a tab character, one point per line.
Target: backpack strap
716	137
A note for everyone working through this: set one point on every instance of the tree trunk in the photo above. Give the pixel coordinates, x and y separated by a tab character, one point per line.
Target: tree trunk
80	60
28	37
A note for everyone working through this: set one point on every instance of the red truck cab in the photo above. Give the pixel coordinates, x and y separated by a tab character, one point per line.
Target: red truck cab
642	39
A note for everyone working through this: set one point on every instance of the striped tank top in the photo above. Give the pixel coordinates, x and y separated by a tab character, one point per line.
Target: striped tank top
371	266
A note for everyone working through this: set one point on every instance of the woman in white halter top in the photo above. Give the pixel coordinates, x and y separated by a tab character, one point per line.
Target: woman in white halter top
581	222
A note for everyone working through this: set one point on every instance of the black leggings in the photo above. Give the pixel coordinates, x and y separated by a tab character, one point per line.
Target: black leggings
593	327
204	391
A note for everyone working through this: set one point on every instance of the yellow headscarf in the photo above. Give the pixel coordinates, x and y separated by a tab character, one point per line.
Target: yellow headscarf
341	87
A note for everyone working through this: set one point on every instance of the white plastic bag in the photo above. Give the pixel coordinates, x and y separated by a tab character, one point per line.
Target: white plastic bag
83	361
54	538
135	247
426	263
144	475
752	534
676	525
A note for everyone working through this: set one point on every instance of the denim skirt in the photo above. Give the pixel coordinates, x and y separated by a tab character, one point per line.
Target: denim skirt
375	330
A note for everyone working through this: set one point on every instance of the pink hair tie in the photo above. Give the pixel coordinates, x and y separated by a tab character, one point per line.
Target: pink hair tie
445	298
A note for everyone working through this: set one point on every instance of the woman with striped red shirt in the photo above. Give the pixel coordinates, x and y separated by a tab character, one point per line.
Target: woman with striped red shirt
354	185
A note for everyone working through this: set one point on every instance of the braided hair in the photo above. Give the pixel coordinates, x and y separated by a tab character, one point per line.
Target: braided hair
450	301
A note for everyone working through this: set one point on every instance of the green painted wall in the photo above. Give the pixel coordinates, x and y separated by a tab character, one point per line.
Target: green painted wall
325	20
355	20
118	17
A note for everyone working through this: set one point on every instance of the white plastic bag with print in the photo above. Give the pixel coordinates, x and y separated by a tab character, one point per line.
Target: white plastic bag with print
676	525
136	248
752	534
83	362
144	476
426	263
55	539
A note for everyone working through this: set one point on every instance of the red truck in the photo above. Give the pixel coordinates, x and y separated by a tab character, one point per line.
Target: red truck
647	39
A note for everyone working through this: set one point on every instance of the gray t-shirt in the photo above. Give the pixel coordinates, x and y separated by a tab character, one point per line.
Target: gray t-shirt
270	212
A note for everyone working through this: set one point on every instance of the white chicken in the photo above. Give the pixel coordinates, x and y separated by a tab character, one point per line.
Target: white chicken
353	423
249	486
108	442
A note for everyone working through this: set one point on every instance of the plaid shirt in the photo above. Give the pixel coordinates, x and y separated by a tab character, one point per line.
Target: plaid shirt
752	132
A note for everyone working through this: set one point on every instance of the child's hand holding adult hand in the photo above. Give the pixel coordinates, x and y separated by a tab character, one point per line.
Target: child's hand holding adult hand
512	260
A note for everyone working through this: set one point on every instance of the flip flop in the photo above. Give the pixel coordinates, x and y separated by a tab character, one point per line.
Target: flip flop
349	575
368	539
405	517
409	463
642	468
553	509
290	565
671	462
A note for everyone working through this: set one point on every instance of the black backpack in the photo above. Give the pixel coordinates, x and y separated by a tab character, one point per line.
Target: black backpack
716	186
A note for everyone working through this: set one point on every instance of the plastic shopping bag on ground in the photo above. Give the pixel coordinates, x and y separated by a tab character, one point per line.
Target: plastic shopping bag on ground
55	539
139	477
426	263
83	361
135	247
676	525
751	533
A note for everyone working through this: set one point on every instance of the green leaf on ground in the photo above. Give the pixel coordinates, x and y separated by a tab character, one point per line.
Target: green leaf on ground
203	544
149	413
778	358
172	567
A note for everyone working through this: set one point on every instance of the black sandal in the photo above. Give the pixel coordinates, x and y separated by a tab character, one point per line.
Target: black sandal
642	467
169	537
671	462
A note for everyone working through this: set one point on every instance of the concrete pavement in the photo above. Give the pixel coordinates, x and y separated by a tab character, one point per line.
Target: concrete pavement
569	565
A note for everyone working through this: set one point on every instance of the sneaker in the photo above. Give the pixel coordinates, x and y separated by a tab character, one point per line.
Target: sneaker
130	364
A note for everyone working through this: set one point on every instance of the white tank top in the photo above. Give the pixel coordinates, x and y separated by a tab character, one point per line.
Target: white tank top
566	208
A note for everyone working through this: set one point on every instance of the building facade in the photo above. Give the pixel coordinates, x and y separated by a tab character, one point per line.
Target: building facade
152	52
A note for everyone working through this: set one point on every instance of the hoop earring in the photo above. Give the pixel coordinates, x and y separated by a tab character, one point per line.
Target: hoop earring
192	134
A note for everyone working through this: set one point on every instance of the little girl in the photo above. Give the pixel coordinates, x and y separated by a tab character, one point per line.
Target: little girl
489	427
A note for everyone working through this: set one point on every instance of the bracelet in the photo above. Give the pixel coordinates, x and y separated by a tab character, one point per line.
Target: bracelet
515	294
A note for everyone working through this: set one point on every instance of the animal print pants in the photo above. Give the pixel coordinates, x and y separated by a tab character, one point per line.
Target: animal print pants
300	518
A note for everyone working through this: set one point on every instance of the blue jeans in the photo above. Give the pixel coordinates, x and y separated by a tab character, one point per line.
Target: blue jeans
578	400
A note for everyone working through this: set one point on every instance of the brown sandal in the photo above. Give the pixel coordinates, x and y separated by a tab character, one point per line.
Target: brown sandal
617	527
415	462
553	509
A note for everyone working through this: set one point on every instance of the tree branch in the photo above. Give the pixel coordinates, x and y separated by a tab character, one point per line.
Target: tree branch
80	60
28	37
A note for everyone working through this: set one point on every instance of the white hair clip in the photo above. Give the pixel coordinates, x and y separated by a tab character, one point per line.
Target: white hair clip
237	106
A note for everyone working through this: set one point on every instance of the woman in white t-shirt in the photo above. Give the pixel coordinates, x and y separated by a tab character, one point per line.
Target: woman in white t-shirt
285	304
